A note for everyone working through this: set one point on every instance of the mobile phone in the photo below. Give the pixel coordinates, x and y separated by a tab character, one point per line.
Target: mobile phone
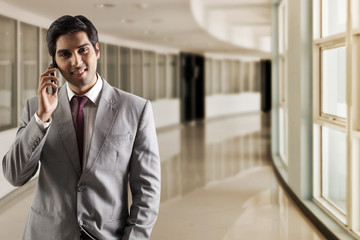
51	90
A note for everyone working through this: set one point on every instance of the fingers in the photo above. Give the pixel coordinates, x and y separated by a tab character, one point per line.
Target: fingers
47	72
47	80
46	75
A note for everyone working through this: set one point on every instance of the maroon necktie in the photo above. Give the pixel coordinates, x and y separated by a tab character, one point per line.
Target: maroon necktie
79	124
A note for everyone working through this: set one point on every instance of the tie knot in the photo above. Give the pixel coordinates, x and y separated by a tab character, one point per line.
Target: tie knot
80	101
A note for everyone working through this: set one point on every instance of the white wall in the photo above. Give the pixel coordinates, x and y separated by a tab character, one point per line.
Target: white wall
6	140
166	112
230	104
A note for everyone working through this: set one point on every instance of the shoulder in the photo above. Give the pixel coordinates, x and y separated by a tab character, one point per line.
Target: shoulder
121	99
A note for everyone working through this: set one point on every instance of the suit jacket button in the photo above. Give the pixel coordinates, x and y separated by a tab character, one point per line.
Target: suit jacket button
81	188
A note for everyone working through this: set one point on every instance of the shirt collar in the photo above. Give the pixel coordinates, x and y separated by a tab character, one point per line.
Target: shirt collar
93	94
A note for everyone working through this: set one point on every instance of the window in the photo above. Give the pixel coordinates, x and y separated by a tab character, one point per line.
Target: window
125	82
216	77
245	76
283	48
333	89
161	62
331	116
136	72
112	65
101	63
334	171
257	77
208	69
333	17
173	89
7	73
236	76
29	63
149	75
45	56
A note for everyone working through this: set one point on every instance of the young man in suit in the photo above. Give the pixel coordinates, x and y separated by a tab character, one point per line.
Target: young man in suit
90	141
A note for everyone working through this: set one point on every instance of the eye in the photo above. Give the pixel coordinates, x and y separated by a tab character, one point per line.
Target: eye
65	54
83	50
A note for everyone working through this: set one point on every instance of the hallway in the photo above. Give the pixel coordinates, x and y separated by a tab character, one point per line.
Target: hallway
217	184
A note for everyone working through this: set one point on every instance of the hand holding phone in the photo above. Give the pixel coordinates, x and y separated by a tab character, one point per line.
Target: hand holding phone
51	90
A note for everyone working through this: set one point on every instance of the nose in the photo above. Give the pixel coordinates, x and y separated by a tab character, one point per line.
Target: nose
76	60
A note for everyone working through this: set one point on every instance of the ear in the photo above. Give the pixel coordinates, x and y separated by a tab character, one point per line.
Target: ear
97	49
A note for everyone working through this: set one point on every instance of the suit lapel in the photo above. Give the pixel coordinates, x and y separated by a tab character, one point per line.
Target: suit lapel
104	121
65	126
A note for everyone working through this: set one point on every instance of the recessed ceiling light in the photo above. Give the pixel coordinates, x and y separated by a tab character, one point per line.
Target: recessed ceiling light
142	6
126	21
147	32
157	20
167	39
104	5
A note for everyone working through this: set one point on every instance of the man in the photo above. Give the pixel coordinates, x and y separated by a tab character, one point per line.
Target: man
92	140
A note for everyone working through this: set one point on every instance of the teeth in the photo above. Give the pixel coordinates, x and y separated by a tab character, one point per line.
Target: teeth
79	72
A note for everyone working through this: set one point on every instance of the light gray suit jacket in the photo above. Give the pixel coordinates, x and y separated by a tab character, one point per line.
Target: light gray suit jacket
123	150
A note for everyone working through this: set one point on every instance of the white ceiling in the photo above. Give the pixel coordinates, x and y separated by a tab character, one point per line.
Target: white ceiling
225	26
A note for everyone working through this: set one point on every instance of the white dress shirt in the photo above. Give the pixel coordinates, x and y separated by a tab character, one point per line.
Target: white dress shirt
89	109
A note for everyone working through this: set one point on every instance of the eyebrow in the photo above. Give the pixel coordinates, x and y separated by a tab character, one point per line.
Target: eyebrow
66	50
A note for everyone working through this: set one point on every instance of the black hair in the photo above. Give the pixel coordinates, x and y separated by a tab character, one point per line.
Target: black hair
67	25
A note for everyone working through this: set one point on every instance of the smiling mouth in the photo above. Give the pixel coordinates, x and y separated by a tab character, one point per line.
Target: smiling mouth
79	72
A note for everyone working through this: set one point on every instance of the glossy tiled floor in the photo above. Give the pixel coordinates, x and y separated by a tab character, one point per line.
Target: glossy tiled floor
217	183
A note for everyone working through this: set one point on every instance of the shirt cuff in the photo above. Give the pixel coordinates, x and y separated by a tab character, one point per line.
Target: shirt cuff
42	125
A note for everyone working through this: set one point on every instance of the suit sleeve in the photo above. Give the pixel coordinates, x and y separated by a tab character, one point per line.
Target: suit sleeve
21	162
144	179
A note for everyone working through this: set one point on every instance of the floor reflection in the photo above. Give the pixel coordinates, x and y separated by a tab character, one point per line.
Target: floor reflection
198	154
218	184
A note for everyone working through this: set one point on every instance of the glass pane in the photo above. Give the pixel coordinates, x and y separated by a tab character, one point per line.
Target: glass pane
236	76
245	76
334	167
125	83
216	76
208	77
112	71
257	77
174	85
137	76
7	72
149	75
29	50
282	77
334	81
45	56
282	135
333	17
101	61
162	75
233	77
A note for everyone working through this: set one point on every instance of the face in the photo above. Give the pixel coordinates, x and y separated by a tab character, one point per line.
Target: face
76	59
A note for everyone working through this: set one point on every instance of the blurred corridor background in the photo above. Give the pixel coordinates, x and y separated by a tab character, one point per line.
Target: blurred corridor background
255	105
